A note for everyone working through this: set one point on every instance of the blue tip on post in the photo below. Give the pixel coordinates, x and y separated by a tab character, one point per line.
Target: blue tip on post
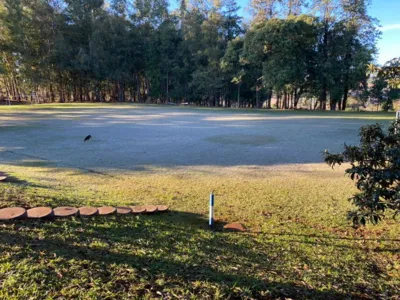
211	216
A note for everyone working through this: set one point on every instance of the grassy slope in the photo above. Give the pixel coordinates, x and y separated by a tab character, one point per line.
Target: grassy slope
299	244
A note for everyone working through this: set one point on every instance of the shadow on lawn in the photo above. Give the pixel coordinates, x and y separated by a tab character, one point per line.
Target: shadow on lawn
322	240
17	181
175	245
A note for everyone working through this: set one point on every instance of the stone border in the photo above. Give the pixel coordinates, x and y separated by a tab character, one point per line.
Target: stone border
42	212
124	210
12	213
3	176
106	210
65	211
87	211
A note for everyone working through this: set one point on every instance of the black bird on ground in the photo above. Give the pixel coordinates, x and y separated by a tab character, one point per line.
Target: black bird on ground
87	138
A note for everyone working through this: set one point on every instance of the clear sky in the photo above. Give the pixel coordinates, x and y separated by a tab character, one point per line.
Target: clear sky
386	11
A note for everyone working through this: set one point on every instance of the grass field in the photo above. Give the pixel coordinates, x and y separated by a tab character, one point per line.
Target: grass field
265	168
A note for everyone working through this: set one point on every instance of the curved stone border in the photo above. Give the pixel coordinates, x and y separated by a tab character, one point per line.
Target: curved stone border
87	211
106	210
150	209
39	212
124	210
12	213
162	208
3	176
138	209
65	211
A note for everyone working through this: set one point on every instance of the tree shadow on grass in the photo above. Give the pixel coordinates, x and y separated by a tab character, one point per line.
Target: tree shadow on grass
176	247
14	194
329	240
15	180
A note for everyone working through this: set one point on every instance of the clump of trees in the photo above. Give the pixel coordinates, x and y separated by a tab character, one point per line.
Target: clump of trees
390	72
385	83
200	52
375	167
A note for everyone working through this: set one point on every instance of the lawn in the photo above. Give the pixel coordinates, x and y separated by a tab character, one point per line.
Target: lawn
266	171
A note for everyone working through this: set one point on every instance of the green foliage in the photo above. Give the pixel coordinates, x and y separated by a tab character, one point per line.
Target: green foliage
95	50
288	51
391	72
375	167
378	92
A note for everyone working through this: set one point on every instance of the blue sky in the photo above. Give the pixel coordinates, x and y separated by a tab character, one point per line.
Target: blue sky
386	11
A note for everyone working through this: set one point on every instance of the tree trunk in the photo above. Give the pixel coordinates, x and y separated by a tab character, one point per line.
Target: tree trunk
323	96
285	101
345	95
75	93
257	101
316	104
324	85
277	100
291	100
121	92
80	91
61	91
269	99
333	104
167	87
296	98
238	96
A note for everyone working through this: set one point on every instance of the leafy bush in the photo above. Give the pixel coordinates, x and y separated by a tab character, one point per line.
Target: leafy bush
375	167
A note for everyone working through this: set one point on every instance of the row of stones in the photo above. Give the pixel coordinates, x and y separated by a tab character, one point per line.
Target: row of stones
12	213
3	176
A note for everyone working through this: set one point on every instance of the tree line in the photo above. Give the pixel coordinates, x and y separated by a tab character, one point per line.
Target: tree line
200	52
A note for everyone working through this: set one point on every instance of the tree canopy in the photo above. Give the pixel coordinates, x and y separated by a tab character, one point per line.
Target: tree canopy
200	52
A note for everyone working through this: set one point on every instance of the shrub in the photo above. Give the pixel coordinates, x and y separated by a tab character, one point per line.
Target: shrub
375	168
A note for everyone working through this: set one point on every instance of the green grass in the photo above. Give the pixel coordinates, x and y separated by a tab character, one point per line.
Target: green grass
299	243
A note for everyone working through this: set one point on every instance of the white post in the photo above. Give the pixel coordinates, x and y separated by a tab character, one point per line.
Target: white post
211	216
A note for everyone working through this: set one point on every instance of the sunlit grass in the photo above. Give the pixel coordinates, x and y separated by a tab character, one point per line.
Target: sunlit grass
299	242
273	112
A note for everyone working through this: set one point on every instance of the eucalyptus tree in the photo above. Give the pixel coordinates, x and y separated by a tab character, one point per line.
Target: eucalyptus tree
264	9
327	11
359	45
